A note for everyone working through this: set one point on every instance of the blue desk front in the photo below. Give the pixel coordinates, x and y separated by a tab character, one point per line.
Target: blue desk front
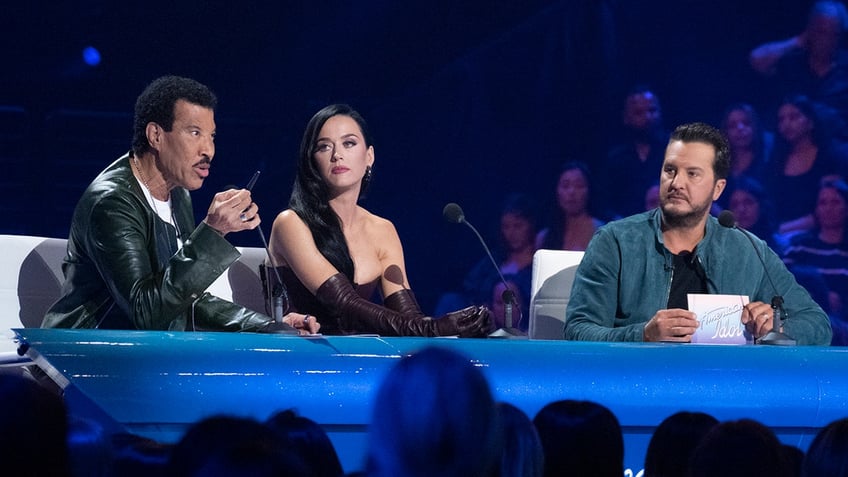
157	383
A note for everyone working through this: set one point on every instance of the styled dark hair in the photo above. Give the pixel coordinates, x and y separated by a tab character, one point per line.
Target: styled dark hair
310	198
704	133
156	104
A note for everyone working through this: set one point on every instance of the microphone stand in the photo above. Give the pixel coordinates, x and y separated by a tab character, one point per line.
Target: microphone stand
508	331
775	336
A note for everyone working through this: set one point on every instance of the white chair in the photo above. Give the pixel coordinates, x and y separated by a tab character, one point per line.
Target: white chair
550	288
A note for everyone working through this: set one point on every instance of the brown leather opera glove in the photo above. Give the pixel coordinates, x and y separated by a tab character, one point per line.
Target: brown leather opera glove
469	322
358	315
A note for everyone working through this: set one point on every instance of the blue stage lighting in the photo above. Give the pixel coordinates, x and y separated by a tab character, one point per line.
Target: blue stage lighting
91	56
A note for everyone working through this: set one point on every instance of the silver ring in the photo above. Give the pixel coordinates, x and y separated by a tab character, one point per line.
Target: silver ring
243	217
306	319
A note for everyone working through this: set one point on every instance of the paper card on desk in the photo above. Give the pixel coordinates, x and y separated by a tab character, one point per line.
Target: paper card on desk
720	317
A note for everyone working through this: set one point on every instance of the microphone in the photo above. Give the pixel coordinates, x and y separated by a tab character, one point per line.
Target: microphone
453	213
775	336
279	295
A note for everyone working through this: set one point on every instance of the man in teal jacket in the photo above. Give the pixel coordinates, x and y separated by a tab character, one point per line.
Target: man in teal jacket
636	273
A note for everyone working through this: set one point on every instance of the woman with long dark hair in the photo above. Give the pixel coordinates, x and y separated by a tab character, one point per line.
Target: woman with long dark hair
333	255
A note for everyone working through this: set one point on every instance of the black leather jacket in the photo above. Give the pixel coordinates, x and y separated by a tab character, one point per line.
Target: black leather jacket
123	271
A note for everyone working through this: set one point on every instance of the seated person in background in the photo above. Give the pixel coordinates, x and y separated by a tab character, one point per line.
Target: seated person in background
633	280
434	415
135	258
824	249
519	320
572	226
652	197
753	210
514	255
580	439
332	253
803	155
813	62
750	146
631	164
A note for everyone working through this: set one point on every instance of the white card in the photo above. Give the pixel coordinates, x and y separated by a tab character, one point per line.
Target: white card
720	318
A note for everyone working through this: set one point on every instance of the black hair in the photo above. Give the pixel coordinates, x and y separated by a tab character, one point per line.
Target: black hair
156	104
310	198
704	133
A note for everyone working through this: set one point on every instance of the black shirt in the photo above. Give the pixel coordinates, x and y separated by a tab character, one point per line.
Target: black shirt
687	277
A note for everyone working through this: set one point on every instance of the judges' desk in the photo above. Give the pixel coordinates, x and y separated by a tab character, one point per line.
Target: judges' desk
157	383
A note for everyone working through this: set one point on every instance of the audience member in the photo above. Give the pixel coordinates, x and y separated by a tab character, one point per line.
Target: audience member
750	146
522	454
824	249
673	443
743	448
631	167
813	62
580	438
307	439
33	429
828	453
518	230
633	280
333	254
519	321
803	155
652	197
135	259
753	210
434	415
232	446
572	226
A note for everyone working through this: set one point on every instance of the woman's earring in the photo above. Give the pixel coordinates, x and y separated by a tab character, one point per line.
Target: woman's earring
367	174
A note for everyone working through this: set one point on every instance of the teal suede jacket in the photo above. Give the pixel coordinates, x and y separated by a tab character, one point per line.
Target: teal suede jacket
123	271
625	278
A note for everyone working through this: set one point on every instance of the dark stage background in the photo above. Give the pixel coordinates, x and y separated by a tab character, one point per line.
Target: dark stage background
467	100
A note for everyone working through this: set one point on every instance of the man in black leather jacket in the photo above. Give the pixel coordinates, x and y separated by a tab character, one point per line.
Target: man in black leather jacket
135	259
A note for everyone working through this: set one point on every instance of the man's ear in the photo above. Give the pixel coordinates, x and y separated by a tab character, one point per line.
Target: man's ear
154	134
719	188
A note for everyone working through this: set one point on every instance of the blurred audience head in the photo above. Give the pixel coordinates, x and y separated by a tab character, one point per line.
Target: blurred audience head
573	191
580	438
832	205
308	440
742	127
652	197
828	453
522	450
33	429
825	25
751	205
518	223
740	448
673	443
232	446
434	415
642	113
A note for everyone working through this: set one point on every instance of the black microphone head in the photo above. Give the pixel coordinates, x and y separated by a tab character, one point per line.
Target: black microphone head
453	213
726	219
